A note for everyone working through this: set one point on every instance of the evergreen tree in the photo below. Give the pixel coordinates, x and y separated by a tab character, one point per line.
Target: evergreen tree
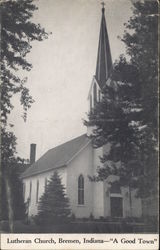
17	33
142	47
127	115
53	206
114	120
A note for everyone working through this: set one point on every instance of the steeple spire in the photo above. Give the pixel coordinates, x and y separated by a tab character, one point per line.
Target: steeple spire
104	59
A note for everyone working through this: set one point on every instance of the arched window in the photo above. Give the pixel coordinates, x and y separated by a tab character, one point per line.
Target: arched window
81	190
24	190
37	193
30	191
95	93
90	103
99	95
45	184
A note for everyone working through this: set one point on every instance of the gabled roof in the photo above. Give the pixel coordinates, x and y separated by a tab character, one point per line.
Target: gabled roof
104	59
58	156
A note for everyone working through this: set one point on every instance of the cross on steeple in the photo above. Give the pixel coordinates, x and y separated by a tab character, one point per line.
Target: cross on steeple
103	4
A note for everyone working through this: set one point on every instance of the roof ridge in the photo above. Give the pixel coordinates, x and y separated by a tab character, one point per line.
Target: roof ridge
58	156
66	142
58	147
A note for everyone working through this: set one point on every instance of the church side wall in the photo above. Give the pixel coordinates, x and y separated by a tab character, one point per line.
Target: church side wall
98	208
82	164
42	179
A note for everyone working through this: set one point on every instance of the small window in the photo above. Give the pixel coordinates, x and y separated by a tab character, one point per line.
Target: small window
99	95
95	93
37	193
30	191
90	103
81	190
45	184
24	190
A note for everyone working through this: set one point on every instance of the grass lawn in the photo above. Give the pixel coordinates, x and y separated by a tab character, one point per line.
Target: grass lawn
82	227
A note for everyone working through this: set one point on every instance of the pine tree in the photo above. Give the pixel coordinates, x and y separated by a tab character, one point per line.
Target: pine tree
142	46
112	118
53	206
127	115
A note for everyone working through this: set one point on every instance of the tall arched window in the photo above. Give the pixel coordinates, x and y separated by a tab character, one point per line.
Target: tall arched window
90	103
99	95
37	193
45	184
24	190
30	191
95	93
81	190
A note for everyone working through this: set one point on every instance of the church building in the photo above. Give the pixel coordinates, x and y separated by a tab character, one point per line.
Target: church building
77	159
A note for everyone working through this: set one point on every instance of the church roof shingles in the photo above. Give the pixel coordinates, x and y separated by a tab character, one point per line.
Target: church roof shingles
58	156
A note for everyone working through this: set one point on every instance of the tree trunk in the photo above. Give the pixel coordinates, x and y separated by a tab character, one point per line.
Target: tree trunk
9	201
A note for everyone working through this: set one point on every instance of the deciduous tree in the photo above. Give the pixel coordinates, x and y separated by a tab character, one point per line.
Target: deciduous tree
17	33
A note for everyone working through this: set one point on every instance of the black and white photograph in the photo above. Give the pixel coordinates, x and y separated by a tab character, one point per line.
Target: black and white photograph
79	118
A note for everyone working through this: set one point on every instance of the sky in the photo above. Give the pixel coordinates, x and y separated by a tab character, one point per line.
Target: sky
63	68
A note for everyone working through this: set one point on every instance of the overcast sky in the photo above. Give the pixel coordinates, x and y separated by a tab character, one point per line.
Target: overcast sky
63	67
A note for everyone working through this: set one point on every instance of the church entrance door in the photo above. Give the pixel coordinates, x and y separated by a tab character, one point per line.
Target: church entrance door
116	207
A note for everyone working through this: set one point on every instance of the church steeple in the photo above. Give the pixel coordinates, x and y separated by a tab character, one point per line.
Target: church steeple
103	67
104	59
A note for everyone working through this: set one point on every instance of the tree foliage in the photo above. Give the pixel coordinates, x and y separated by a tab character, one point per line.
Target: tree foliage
142	47
17	33
126	117
53	206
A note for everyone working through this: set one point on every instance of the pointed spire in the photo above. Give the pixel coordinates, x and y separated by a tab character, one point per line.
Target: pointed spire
104	59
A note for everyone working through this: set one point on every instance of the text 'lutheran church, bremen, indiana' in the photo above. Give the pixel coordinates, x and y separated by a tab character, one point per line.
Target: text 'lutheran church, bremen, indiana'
75	160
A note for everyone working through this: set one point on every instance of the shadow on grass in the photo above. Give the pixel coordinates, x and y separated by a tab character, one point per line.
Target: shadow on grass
81	227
